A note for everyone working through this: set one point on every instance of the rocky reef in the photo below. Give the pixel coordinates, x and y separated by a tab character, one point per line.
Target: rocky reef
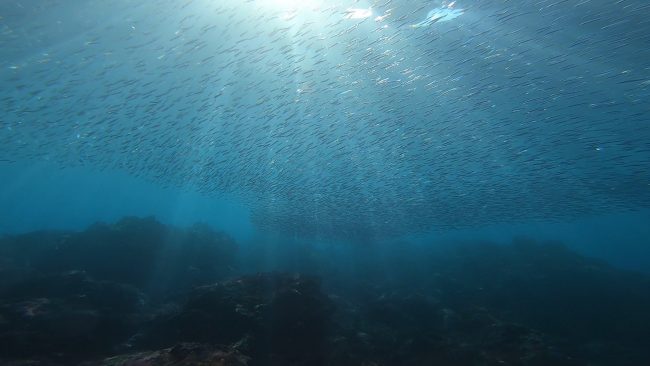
141	293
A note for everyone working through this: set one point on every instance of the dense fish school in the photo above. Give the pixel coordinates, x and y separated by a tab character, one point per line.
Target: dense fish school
345	119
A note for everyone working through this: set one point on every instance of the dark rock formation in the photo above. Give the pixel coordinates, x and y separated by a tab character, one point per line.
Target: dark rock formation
282	318
66	316
155	258
184	354
141	293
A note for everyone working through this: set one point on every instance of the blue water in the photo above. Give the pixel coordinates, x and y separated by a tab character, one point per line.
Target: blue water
75	198
383	147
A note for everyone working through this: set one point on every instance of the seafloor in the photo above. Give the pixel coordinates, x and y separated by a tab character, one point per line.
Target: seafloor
141	293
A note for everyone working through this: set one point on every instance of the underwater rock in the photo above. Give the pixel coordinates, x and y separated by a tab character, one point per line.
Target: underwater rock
28	363
525	304
412	329
550	288
20	255
281	317
66	317
184	354
155	258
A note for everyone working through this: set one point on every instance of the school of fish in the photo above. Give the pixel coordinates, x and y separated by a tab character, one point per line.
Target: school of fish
342	119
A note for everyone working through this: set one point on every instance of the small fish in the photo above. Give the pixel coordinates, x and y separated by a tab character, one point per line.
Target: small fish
329	124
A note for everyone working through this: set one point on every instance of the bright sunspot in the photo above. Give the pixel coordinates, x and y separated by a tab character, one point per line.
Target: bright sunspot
291	4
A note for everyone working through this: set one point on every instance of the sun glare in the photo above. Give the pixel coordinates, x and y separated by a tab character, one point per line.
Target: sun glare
291	4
